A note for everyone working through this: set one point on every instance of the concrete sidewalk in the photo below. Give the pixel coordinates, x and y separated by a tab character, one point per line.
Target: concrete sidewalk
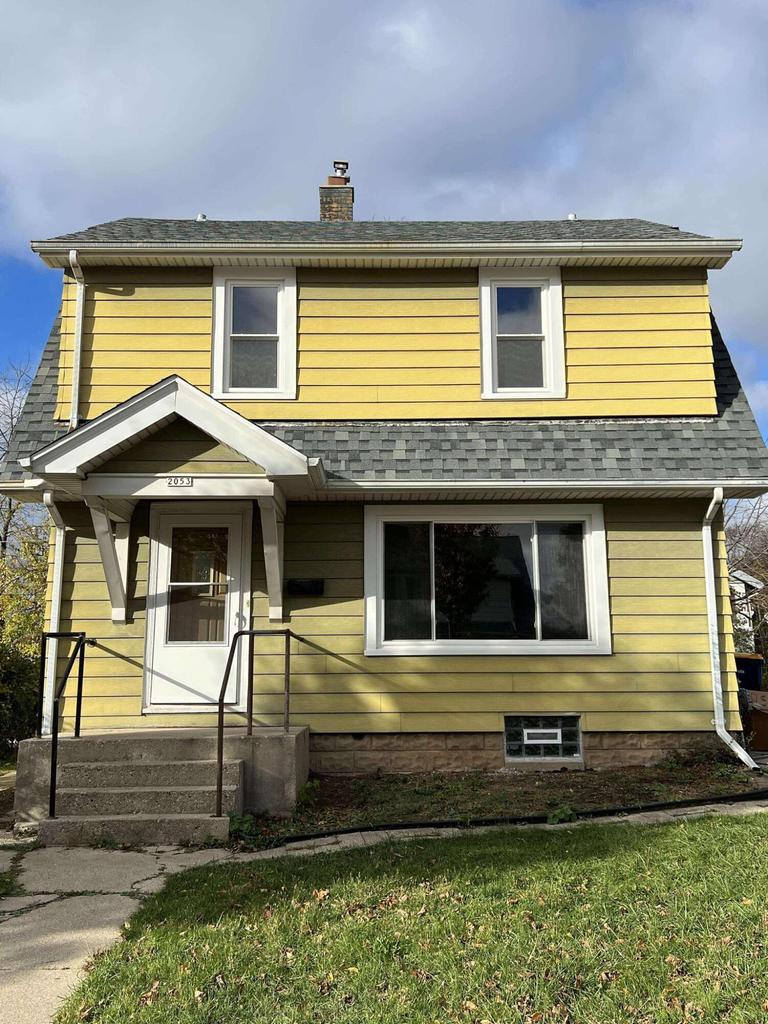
75	901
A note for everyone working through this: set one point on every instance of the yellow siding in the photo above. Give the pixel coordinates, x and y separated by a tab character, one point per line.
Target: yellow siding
180	447
403	344
656	679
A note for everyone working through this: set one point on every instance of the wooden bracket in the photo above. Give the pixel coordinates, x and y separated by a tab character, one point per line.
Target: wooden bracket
272	511
113	549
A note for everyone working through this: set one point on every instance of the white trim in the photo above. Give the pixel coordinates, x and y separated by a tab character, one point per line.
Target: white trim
90	445
705	252
713	628
54	623
272	513
595	566
114	557
77	356
181	513
208	485
514	486
552	328
223	283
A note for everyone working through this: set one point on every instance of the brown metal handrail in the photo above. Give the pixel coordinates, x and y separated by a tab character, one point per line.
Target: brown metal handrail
78	654
250	633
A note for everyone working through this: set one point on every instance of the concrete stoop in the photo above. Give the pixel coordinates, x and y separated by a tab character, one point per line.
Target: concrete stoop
135	830
156	786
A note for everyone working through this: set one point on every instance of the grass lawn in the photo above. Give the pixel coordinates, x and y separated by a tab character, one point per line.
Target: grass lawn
334	802
592	925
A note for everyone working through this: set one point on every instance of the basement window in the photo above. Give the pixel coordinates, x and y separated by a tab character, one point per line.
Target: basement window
523	348
486	580
254	337
541	737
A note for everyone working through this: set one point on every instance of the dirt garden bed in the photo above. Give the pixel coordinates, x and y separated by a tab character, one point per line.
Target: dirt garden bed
341	802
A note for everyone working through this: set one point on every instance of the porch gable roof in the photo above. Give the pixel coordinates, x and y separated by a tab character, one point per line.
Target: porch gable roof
94	443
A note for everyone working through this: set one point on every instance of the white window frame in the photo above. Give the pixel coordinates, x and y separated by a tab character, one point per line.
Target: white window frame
223	283
595	568
553	346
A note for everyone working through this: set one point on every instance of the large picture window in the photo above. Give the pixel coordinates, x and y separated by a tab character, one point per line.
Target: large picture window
491	580
254	343
522	334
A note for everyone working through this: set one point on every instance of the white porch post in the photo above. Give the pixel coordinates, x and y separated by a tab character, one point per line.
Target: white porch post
272	511
113	549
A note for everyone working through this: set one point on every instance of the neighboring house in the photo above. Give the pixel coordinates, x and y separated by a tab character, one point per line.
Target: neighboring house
476	468
743	590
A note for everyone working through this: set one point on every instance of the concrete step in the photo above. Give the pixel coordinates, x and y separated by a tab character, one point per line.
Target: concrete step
158	745
145	774
135	830
121	801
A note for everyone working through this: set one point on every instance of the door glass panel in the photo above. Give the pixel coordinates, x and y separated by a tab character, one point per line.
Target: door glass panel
197	614
199	554
198	587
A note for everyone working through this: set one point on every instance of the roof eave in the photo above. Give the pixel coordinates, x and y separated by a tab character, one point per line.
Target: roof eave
710	253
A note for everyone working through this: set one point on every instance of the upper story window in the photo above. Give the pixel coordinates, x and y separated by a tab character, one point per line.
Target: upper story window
254	334
521	317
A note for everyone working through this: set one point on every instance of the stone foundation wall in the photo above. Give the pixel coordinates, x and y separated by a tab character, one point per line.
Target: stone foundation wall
362	754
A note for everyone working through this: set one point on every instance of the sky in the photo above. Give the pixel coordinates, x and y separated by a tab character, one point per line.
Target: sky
497	109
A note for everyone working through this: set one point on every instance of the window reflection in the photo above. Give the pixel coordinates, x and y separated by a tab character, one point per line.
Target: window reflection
484	581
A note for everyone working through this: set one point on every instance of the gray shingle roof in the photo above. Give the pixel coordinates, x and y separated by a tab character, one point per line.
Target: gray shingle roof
728	446
36	426
144	230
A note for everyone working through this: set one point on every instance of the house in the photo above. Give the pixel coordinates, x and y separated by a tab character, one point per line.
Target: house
475	470
744	589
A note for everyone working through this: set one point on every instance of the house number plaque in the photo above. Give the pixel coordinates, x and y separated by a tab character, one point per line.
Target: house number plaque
180	481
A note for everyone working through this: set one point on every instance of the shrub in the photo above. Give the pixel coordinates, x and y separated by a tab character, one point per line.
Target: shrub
18	698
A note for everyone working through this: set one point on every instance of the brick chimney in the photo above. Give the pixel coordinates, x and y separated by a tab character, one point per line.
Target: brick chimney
337	196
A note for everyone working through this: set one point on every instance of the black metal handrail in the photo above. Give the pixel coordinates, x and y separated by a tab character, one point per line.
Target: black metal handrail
250	633
78	654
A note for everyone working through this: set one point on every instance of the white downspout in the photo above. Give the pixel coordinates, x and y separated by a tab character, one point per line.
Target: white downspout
54	624
77	273
714	633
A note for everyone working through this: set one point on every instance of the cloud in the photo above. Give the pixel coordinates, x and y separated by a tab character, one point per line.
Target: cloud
445	109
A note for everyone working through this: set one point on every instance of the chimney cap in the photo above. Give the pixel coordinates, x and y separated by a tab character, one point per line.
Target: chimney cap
341	167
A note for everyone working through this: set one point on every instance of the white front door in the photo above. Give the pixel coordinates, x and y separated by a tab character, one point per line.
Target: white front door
198	596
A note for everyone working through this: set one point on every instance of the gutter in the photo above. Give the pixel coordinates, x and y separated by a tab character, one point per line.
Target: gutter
696	487
715	251
54	624
714	634
77	273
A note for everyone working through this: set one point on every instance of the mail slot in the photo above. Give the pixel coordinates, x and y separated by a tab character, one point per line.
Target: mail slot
305	588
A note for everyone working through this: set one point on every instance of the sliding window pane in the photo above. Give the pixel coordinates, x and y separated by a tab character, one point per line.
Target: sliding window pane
484	581
407	582
254	309
519	363
562	584
518	310
254	363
